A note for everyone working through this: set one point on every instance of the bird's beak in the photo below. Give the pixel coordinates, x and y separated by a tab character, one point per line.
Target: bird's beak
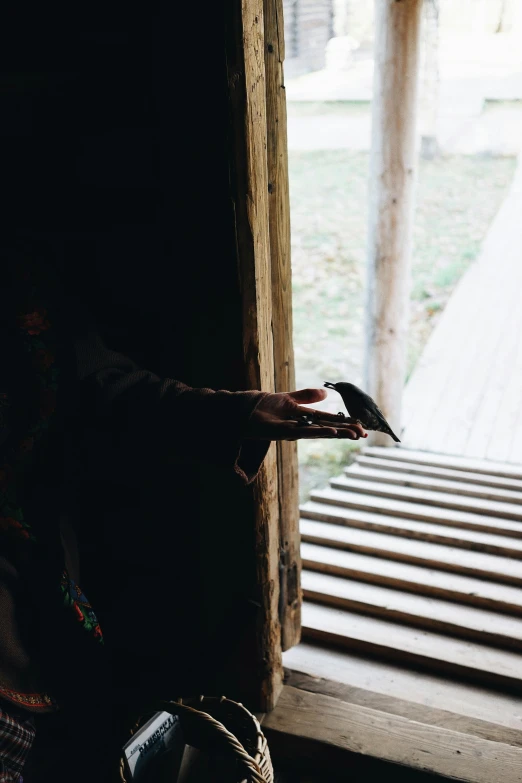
329	385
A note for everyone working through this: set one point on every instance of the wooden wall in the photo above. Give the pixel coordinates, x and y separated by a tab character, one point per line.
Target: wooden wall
308	28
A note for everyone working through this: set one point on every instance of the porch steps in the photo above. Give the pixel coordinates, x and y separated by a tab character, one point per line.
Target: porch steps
416	558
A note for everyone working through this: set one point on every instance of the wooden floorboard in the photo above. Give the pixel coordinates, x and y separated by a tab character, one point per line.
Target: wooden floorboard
464	395
403	478
411	610
297	676
419	581
392	683
420	553
427	497
481	480
451	518
414	530
363	730
452	461
465	659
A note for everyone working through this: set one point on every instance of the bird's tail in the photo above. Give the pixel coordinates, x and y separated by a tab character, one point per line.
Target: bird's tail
394	436
329	385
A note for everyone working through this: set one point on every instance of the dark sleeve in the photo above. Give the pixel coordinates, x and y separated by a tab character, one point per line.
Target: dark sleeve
150	417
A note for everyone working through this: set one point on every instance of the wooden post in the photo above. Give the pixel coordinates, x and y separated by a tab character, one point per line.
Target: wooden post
279	218
249	180
392	176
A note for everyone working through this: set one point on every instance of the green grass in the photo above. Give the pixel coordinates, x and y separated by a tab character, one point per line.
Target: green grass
457	198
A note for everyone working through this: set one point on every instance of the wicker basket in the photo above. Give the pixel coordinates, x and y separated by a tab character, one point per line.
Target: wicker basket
228	732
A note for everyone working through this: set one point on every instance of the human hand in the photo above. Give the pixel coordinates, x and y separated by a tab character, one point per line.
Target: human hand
276	418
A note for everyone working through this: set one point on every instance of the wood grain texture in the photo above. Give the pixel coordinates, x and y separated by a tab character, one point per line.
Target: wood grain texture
502	599
481	480
366	731
433	497
415	530
392	179
422	553
284	370
414	610
246	81
425	649
428	513
421	689
364	472
451	461
424	712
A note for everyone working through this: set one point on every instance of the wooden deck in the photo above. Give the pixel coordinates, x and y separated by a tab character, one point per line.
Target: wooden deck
465	396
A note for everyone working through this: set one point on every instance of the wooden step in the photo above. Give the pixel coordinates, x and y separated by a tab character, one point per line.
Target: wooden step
408	692
343	734
418	611
414	579
473	540
503	469
473	505
391	641
409	510
483	481
363	471
421	553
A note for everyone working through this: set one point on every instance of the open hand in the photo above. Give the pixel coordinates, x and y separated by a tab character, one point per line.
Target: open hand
276	418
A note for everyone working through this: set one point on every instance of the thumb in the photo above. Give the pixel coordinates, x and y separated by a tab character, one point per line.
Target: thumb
308	395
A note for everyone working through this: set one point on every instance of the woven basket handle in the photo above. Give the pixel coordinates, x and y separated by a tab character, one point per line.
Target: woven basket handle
204	732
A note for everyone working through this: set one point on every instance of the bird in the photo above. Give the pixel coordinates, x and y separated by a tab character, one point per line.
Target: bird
362	408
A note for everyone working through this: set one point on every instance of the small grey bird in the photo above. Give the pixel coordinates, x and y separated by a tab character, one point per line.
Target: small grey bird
362	408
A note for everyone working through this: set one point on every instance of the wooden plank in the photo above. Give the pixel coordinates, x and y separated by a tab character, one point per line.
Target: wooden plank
417	611
392	176
502	469
481	344
431	498
466	660
452	379
400	706
284	371
406	510
489	412
396	683
411	578
499	444
413	530
366	731
363	472
481	480
246	85
421	553
425	388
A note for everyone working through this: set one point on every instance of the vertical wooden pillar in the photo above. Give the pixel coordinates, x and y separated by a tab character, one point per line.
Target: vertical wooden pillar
392	177
249	183
279	218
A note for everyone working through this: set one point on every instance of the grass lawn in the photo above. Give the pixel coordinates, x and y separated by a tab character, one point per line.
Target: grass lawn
457	197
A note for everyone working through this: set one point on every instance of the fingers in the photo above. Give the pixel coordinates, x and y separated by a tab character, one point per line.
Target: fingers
323	415
292	431
308	395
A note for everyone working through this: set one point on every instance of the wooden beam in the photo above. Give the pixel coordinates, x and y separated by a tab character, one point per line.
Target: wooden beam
444	718
392	176
279	219
246	85
357	729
